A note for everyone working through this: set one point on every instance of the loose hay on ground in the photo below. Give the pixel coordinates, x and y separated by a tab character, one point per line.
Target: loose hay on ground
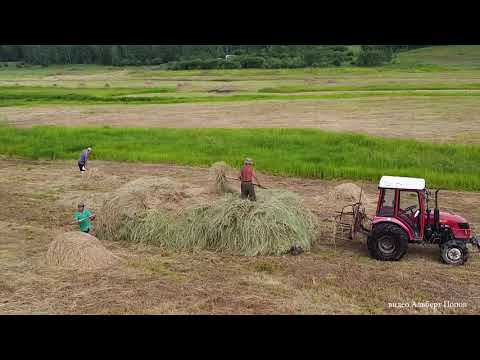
79	251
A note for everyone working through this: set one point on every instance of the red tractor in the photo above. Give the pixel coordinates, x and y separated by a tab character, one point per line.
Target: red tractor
403	216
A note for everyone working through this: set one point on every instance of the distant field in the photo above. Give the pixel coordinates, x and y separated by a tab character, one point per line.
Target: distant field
27	96
428	94
297	152
437	119
451	55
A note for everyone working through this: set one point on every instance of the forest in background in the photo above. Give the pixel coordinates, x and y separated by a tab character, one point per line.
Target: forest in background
186	57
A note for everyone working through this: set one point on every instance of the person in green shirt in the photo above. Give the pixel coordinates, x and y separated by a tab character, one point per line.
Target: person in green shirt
82	217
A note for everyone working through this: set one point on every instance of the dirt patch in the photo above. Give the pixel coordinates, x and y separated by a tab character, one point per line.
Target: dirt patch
222	90
79	251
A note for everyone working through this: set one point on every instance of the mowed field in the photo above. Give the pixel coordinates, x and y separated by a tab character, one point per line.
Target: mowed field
430	95
334	278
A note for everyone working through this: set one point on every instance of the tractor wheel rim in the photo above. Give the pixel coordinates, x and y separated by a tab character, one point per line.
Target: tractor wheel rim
386	244
454	254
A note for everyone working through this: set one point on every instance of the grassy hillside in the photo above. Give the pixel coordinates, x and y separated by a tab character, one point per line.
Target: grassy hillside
451	55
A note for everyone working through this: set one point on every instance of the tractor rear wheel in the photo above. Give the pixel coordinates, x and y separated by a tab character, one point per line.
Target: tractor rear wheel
388	242
454	252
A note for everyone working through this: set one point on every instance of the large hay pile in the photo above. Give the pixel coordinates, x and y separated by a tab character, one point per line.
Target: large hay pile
120	213
271	226
80	251
156	227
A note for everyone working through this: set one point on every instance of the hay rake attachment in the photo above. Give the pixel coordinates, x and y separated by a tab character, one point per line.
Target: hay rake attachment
351	221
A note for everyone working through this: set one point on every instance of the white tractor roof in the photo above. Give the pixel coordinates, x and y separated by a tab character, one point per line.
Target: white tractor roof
397	182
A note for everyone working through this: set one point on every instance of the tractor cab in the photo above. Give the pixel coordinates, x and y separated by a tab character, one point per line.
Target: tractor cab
402	201
403	216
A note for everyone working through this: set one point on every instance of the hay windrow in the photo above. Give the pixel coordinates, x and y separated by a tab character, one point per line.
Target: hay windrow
79	251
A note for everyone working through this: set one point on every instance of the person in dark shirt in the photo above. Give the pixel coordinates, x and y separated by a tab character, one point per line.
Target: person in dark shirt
247	175
82	162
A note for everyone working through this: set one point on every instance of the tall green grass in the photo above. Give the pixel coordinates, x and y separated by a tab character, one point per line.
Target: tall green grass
291	152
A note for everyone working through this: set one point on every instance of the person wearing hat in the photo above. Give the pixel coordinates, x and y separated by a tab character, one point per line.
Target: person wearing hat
82	217
82	162
247	175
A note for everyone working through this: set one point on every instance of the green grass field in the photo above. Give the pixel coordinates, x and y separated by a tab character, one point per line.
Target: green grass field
435	71
27	96
449	55
434	74
297	152
373	87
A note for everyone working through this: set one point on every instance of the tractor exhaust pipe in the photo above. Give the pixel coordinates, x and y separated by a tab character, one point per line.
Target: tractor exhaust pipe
436	213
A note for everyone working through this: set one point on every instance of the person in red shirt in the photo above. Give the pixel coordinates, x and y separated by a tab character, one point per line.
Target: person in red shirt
247	175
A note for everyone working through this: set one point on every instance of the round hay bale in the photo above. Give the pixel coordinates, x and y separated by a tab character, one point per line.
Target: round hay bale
79	251
346	192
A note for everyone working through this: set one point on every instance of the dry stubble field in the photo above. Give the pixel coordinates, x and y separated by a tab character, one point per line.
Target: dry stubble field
335	278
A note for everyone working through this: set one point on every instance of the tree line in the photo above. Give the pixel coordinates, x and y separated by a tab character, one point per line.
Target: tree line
178	57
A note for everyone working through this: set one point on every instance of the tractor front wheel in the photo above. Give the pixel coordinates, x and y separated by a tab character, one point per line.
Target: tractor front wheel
388	242
454	252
